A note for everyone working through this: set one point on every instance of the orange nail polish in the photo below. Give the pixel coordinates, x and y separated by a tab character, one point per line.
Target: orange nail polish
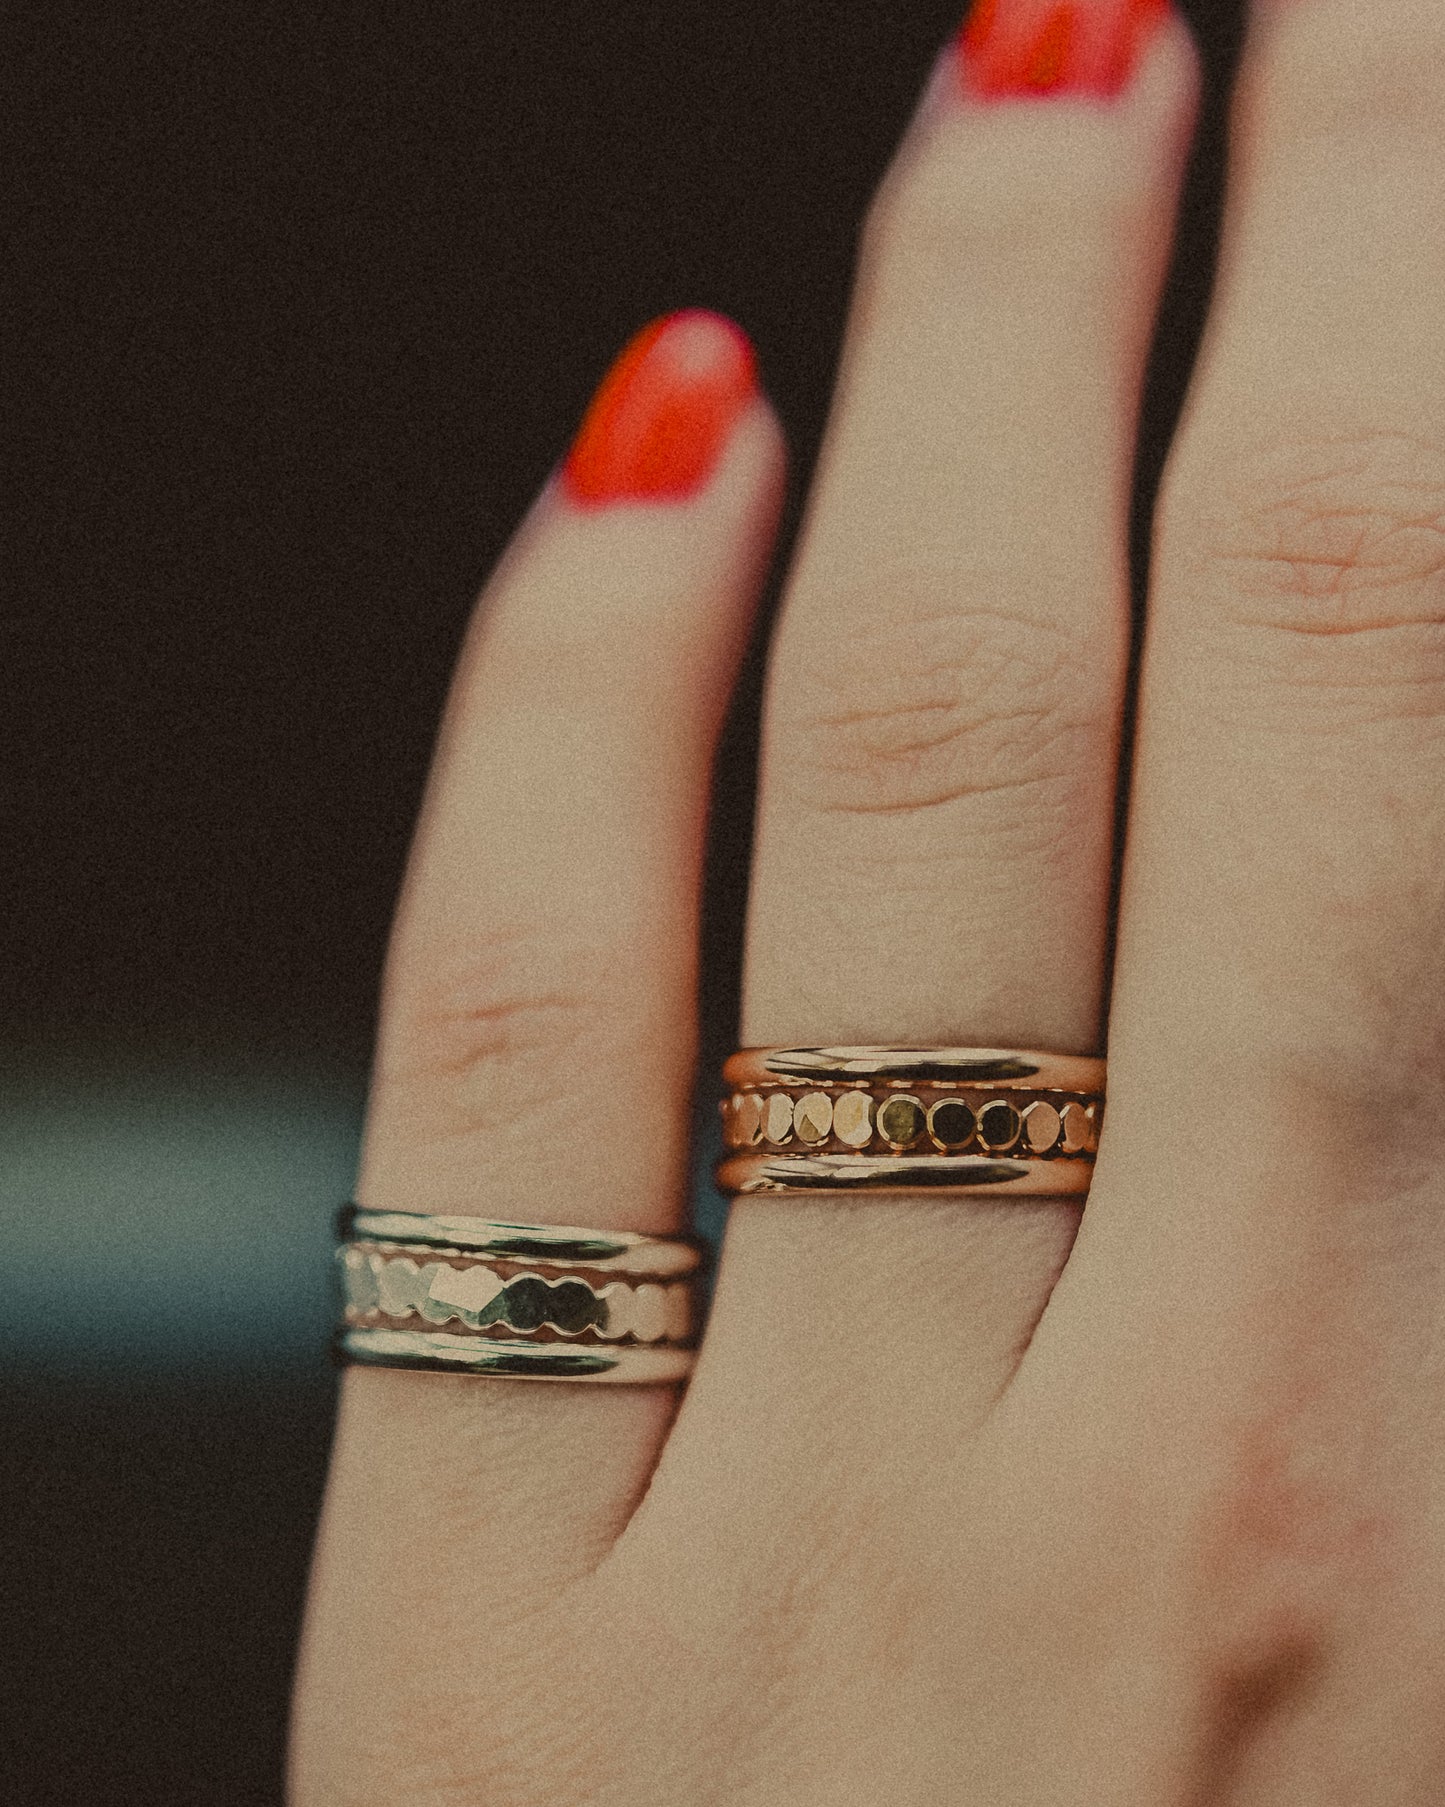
1012	49
658	425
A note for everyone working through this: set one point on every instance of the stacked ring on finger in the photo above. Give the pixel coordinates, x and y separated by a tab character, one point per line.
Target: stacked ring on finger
910	1119
526	1301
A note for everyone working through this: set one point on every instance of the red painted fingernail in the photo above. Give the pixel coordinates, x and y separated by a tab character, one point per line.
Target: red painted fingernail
658	425
1009	49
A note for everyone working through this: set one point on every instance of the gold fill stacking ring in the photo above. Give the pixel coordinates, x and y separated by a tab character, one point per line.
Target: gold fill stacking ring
959	1120
472	1295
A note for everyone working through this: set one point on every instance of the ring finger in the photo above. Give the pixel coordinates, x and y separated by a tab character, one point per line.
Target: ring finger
538	1012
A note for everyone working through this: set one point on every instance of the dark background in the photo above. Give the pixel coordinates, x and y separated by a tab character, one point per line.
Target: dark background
307	302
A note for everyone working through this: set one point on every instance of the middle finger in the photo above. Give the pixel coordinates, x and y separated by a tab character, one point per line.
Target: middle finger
934	850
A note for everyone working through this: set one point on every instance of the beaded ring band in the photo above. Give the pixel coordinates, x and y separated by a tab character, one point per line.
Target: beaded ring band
910	1119
525	1301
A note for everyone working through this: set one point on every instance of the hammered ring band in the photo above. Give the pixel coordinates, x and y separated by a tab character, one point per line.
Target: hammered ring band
892	1119
470	1295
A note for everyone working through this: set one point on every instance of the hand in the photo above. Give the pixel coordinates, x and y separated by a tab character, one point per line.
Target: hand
930	1527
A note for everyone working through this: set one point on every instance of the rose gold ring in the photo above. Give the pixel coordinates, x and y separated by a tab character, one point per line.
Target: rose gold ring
896	1119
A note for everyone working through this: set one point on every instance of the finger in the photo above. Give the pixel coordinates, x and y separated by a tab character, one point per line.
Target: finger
1284	906
935	833
535	1053
944	691
1259	1271
934	844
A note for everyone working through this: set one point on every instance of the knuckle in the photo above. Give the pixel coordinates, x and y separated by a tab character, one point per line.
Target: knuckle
485	1039
992	712
1327	561
417	1746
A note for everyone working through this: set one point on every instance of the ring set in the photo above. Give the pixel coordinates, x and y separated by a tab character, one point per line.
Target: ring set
471	1295
909	1119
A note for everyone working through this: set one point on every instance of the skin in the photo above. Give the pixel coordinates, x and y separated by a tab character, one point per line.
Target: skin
960	1508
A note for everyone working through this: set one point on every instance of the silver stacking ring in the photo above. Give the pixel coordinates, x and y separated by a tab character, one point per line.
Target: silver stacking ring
474	1295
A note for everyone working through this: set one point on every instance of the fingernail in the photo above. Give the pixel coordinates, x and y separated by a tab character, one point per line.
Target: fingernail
1011	49
659	424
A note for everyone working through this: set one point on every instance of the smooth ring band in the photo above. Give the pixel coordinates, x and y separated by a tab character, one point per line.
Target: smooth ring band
892	1119
476	1295
991	1067
745	1175
512	1359
530	1245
